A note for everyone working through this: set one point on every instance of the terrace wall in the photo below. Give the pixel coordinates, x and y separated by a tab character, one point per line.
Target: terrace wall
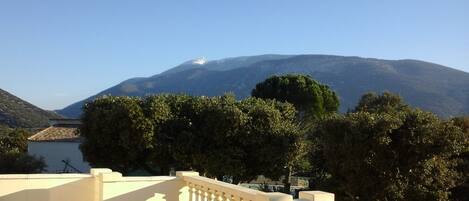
105	185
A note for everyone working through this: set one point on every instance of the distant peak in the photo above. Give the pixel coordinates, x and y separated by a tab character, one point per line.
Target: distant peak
198	61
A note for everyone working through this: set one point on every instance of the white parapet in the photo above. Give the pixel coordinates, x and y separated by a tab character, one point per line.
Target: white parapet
202	188
316	196
106	185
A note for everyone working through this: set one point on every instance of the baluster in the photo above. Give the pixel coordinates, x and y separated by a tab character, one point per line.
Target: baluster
202	193
199	193
206	194
211	196
229	197
218	196
236	198
192	192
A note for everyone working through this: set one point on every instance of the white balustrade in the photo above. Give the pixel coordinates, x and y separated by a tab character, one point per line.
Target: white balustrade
106	185
206	189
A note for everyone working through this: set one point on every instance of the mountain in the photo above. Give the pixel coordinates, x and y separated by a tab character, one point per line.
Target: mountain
15	112
433	87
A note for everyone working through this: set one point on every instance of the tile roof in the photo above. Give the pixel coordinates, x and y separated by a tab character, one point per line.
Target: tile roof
57	133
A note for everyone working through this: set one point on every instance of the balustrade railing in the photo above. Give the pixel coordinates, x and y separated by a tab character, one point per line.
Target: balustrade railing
106	185
206	189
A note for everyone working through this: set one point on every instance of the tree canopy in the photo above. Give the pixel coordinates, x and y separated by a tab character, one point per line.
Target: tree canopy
217	136
117	133
310	98
381	152
461	190
386	102
13	153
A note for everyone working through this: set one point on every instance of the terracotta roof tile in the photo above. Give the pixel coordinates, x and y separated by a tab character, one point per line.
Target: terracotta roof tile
58	133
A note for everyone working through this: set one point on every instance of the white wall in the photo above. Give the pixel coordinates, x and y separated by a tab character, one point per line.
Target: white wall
55	152
47	187
99	185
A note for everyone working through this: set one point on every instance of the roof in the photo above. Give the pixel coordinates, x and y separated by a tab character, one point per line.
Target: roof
57	133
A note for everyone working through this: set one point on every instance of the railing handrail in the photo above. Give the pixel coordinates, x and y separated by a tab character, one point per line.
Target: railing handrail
246	193
210	187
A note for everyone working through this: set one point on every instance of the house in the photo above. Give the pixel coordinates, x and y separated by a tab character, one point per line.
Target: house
59	146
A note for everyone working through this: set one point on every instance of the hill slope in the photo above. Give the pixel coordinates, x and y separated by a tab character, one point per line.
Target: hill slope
429	86
15	112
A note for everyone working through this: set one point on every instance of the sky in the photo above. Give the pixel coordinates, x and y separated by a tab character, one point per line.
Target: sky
54	53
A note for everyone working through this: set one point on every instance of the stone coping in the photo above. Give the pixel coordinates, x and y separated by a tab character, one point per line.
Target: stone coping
44	176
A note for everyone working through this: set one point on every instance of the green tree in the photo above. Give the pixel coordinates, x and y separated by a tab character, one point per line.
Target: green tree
461	190
206	133
216	136
20	163
14	158
275	139
386	102
117	133
159	111
14	140
309	97
385	152
221	136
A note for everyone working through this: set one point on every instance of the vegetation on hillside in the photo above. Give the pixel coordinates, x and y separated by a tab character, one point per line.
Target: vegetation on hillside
431	87
17	113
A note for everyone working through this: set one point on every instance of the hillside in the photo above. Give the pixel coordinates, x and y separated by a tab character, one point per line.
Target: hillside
429	86
15	112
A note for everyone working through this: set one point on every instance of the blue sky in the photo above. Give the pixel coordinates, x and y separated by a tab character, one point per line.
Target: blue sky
54	53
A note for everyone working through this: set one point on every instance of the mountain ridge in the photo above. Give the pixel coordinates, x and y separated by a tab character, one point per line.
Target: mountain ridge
430	86
15	112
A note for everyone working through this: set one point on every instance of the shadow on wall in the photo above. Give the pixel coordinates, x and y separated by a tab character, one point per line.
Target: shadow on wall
47	190
169	190
87	189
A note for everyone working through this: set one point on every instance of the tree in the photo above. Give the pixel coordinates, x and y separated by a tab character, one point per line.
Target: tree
159	110
461	190
13	153
217	136
309	97
386	102
221	136
14	140
215	142
274	139
117	133
20	163
384	152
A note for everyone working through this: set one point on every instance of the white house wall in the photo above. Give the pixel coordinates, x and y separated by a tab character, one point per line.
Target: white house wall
55	152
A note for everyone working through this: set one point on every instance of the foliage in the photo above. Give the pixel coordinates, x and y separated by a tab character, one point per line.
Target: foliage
309	97
386	102
116	133
13	140
312	100
13	153
462	122
384	152
461	190
20	163
17	113
216	136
